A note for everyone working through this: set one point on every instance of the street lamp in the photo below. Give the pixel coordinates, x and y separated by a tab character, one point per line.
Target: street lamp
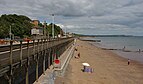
65	31
10	33
53	26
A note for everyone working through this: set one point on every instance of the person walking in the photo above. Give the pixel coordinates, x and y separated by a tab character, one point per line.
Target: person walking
128	61
78	55
139	50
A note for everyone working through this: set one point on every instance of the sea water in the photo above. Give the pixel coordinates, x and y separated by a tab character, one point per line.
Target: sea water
134	46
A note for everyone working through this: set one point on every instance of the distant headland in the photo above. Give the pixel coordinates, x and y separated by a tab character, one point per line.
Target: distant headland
81	35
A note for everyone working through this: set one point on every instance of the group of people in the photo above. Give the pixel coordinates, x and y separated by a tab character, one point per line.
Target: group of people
139	50
78	55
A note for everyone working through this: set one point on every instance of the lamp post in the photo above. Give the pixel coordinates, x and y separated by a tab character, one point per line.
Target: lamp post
45	25
10	33
53	26
65	31
12	36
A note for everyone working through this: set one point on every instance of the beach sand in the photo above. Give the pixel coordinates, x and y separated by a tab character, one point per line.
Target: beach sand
108	68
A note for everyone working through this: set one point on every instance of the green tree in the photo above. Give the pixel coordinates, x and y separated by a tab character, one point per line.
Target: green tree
20	25
57	29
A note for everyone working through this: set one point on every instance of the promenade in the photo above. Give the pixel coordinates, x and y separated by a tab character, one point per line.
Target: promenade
50	74
108	68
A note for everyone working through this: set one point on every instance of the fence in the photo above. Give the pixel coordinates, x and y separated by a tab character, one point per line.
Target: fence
24	62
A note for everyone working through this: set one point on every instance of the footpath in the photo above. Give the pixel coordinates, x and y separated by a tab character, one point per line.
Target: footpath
56	70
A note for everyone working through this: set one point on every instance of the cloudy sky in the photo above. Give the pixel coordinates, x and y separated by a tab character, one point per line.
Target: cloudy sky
95	17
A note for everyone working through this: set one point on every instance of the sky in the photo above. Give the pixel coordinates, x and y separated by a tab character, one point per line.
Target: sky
89	17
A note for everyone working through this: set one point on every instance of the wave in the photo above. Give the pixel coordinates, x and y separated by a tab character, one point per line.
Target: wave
121	50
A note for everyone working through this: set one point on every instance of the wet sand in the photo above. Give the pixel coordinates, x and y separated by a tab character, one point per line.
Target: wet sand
108	68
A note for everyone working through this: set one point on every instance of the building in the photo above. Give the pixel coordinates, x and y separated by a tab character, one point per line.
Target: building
35	23
36	30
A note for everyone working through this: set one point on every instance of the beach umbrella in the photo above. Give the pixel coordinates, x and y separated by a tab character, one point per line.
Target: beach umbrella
85	64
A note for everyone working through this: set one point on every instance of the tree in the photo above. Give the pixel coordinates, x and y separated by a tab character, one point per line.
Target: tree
20	25
57	30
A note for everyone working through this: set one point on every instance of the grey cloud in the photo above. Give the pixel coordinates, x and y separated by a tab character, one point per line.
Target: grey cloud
83	16
2	2
133	2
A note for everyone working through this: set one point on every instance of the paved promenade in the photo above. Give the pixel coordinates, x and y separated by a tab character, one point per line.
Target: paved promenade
50	74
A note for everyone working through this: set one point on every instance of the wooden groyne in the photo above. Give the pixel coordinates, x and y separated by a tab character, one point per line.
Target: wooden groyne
91	40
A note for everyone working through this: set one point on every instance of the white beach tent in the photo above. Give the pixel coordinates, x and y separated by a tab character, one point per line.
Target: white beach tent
85	64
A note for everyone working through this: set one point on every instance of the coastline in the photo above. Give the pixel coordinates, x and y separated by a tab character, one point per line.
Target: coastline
125	53
109	68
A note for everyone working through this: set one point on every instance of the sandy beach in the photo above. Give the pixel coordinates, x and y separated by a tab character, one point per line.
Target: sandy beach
108	68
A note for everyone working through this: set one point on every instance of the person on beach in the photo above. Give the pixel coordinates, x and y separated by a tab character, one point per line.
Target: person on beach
78	55
128	61
75	49
139	50
124	48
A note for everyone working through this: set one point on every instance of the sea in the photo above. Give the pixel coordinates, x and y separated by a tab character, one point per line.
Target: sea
133	46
